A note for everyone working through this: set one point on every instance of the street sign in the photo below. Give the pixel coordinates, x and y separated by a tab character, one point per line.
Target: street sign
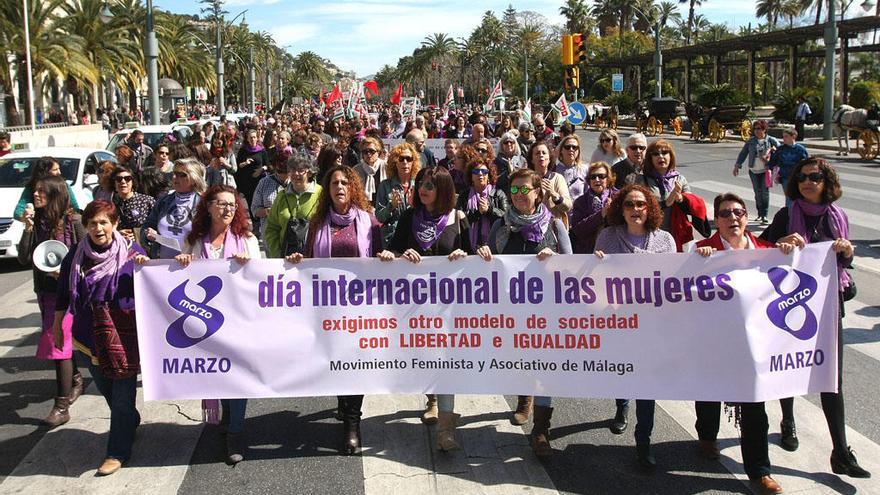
617	83
577	112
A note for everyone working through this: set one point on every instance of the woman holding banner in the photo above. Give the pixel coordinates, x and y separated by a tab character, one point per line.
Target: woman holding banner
51	217
433	227
529	228
396	192
813	217
221	231
589	211
343	226
482	203
96	286
731	218
634	218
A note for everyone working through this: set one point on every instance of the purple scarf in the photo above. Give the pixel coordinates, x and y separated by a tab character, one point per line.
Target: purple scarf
427	229
256	149
362	225
800	209
535	226
232	244
666	181
479	232
102	278
597	201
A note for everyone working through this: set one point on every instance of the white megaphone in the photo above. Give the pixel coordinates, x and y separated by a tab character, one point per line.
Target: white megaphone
49	254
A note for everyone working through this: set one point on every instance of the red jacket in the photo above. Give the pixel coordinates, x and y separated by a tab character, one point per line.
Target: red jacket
680	227
715	242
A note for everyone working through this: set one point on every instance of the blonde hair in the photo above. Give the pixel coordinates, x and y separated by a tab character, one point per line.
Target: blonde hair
615	141
391	165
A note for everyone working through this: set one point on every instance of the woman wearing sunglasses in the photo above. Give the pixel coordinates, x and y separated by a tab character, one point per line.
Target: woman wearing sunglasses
634	218
569	165
482	202
396	192
171	216
731	218
371	167
433	227
133	207
813	217
609	149
529	228
220	230
589	211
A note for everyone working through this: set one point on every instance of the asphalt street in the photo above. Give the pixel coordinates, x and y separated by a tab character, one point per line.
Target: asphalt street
293	443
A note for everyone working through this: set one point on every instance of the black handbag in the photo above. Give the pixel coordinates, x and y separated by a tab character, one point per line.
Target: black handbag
295	232
851	291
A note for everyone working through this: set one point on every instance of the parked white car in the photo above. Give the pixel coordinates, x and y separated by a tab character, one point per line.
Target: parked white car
78	167
153	134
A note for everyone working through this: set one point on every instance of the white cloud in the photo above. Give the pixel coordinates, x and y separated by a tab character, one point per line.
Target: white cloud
290	34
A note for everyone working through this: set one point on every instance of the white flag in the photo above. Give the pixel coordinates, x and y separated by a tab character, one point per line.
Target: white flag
527	110
561	106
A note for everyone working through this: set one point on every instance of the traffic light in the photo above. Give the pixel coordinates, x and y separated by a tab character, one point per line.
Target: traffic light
572	76
579	48
567	50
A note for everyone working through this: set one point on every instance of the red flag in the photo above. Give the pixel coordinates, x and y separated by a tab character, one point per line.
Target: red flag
335	95
395	98
372	86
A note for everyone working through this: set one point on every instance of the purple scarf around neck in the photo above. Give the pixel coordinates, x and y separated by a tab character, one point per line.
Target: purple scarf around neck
255	149
232	244
531	227
480	232
837	220
102	278
597	201
427	229
363	227
666	181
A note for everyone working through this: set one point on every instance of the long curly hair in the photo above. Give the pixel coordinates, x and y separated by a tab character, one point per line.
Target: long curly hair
356	195
615	209
201	223
391	164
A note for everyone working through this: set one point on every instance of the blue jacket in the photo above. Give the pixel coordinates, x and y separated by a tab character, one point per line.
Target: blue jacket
786	157
750	151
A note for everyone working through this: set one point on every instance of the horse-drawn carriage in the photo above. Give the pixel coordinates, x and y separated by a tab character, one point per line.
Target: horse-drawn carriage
864	122
715	122
601	116
651	115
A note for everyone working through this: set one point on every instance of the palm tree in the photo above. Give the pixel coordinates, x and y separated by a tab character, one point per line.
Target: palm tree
191	67
310	68
690	25
770	10
576	13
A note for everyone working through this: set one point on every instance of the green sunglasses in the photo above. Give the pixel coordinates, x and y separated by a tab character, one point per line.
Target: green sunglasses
520	189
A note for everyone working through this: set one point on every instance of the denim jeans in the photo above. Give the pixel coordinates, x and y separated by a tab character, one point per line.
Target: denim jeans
644	421
121	396
237	409
762	193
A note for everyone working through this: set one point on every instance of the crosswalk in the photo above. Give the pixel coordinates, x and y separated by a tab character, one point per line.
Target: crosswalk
399	456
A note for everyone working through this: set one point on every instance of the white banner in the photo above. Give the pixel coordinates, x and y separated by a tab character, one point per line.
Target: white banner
738	326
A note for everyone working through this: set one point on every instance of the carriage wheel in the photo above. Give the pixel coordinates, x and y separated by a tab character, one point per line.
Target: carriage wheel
652	125
613	122
716	131
600	122
675	125
870	144
745	129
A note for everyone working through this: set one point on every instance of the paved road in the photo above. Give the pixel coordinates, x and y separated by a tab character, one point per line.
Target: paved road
293	443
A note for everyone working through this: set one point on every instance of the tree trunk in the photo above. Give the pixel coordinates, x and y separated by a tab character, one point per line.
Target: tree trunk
93	103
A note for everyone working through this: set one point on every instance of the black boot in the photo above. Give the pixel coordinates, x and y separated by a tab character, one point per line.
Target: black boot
541	431
234	448
351	437
645	457
618	424
789	440
77	389
845	463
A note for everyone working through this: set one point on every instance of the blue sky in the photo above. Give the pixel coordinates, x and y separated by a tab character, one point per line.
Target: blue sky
363	35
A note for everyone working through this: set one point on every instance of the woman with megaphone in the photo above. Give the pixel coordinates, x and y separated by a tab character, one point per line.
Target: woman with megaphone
51	228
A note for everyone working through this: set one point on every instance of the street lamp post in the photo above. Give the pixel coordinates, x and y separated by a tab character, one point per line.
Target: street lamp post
253	81
526	88
151	52
27	58
658	61
830	49
221	97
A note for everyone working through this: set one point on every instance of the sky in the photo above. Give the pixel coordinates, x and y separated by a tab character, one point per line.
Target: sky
364	35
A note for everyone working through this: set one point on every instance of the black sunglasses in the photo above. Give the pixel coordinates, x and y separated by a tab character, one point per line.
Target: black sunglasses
123	178
598	176
814	177
636	147
737	212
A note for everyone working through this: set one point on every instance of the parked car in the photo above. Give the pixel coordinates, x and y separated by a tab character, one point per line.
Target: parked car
153	134
78	167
